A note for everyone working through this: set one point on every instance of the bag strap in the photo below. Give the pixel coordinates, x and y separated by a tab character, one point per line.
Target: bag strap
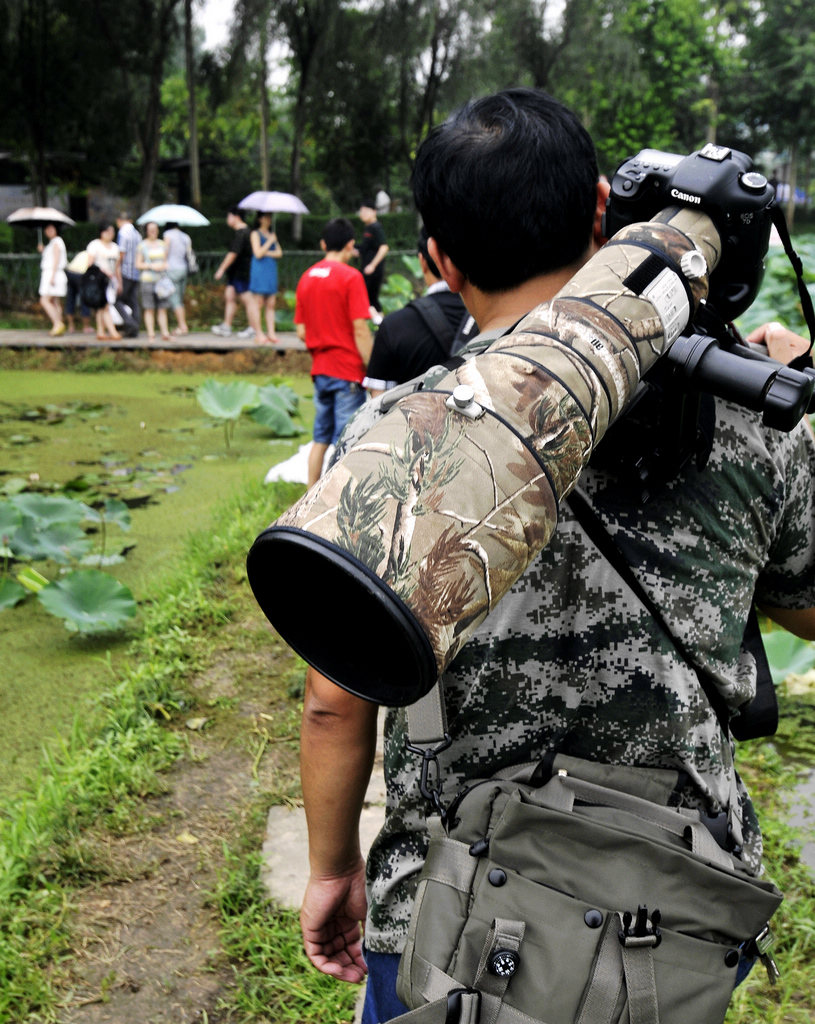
780	223
596	531
759	717
439	326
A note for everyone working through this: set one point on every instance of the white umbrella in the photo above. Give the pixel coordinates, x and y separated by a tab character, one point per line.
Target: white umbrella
273	202
38	216
174	213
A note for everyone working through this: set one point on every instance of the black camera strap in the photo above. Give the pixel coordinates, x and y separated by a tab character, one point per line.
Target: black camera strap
760	716
780	224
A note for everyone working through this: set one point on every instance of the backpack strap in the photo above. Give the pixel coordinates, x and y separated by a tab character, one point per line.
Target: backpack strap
760	716
596	531
435	320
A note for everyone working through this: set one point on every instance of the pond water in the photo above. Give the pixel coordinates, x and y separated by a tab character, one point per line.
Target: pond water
146	436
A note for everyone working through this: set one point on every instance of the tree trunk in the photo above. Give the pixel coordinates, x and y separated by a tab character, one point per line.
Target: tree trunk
793	183
149	133
195	169
264	111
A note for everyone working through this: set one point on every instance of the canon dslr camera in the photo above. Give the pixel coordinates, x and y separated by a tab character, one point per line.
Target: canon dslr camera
722	183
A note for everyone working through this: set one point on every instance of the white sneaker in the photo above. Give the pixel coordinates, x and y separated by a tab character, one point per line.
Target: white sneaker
222	330
247	332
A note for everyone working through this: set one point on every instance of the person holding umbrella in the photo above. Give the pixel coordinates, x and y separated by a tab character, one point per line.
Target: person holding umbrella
53	279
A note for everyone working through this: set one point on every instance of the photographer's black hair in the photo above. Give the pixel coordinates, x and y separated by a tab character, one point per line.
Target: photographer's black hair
421	247
337	234
508	187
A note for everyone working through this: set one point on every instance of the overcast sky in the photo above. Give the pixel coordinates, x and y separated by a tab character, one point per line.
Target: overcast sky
215	18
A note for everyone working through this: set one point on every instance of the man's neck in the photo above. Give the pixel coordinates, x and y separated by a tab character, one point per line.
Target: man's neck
503	309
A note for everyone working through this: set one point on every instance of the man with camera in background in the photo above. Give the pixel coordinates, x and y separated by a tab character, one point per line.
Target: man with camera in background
571	661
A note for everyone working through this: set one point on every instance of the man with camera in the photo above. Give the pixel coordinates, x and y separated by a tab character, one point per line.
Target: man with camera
571	661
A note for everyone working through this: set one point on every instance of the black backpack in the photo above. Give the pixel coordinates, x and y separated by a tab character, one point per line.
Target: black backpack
93	288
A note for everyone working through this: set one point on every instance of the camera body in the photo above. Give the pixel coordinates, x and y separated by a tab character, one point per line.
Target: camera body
721	183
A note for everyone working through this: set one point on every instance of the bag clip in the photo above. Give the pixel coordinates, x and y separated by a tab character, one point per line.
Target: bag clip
455	1005
431	790
760	947
644	932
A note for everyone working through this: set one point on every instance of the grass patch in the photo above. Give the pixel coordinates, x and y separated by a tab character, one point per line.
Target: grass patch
771	772
274	980
113	758
111	761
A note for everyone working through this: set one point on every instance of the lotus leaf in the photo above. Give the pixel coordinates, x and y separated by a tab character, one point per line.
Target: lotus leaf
284	391
113	511
11	593
30	579
89	601
273	412
788	654
64	542
226	401
11	519
47	509
14	485
117	512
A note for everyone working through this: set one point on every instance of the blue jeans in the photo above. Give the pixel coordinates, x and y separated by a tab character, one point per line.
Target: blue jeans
335	402
381	1000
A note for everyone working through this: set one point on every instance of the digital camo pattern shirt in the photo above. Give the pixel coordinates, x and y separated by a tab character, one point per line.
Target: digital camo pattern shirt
570	660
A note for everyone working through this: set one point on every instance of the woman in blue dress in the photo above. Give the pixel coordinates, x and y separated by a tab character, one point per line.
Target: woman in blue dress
263	275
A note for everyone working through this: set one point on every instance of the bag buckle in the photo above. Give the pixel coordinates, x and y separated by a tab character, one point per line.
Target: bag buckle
760	947
455	1004
431	789
644	932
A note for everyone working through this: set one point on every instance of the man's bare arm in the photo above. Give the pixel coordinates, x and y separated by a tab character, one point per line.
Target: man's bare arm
363	339
337	745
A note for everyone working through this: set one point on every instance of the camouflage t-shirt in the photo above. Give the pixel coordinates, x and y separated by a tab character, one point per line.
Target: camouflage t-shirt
571	661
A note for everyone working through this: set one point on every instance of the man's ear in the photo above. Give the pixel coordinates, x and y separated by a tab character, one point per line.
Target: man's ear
322	245
449	271
603	190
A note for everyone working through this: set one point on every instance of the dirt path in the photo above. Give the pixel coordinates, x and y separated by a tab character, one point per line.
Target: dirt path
146	948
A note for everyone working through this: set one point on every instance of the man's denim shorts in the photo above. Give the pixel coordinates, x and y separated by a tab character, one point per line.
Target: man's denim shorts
238	284
335	402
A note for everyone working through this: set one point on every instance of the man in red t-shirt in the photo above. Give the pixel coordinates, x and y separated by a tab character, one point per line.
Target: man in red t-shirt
331	316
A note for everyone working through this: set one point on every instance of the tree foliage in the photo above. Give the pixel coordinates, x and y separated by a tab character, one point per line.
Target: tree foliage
330	98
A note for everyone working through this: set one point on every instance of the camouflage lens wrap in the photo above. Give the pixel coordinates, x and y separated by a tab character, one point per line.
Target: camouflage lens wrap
436	511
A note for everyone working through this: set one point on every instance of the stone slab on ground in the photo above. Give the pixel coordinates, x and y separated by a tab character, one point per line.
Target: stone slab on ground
284	868
285	848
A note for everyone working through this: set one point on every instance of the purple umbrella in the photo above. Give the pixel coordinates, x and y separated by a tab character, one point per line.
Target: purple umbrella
273	202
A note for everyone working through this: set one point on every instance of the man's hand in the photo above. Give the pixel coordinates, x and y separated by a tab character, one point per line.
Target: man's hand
330	920
782	343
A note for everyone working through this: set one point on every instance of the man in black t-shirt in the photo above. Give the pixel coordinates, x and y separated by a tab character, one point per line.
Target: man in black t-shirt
236	265
426	332
372	251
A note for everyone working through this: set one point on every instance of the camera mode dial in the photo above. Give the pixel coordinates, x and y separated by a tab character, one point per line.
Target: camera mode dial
753	182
